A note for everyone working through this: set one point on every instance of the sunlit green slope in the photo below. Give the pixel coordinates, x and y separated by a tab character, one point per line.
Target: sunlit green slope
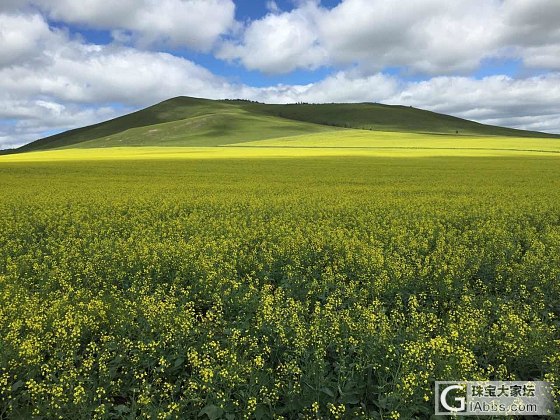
211	129
181	121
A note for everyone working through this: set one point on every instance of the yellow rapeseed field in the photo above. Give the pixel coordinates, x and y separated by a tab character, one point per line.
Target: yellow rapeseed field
275	282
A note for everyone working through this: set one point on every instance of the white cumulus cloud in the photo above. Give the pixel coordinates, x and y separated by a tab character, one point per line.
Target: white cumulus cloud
196	24
22	37
279	43
430	37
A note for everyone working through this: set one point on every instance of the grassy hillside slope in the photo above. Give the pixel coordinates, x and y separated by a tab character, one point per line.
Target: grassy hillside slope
212	129
381	117
185	121
166	111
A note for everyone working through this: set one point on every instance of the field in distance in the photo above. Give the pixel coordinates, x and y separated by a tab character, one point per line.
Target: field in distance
334	143
313	286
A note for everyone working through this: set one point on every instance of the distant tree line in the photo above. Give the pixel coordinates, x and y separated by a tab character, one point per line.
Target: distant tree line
243	100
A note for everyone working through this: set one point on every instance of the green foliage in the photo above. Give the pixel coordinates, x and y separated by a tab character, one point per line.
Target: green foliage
261	288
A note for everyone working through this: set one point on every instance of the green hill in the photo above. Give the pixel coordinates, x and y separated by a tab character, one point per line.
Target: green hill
166	111
380	117
185	121
211	129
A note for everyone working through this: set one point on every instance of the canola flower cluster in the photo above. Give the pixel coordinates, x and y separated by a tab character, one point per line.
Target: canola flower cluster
312	288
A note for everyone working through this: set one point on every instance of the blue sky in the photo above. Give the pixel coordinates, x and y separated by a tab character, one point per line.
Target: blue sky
65	64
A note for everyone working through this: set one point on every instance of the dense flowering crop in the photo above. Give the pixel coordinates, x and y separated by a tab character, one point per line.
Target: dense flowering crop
319	288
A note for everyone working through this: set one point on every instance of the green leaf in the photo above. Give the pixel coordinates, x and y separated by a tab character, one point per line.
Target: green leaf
178	362
261	412
212	411
328	391
17	386
352	399
122	409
